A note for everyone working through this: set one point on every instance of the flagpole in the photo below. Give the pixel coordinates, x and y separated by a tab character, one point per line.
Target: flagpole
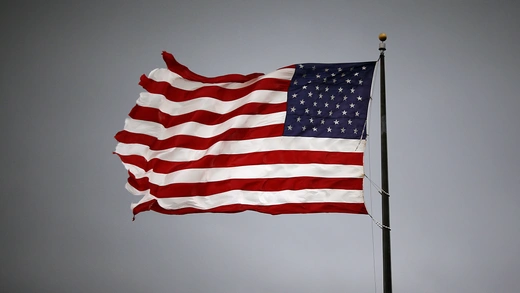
385	196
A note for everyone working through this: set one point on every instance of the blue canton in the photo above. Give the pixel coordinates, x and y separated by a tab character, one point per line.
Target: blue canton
329	100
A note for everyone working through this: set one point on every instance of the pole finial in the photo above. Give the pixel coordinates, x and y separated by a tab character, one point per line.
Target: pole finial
382	45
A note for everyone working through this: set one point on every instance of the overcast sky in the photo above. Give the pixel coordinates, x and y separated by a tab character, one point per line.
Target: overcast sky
70	72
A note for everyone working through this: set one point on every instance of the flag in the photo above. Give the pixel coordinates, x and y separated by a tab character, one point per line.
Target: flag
290	141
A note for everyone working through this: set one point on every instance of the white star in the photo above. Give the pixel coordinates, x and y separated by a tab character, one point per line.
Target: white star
344	112
295	82
345	98
315	104
329	129
327	89
322	121
348	80
326	105
339	68
293	109
360	81
294	95
332	97
333	74
357	114
336	122
352	105
320	96
349	122
326	70
307	111
334	80
314	129
343	75
302	102
359	98
355	130
337	106
330	113
299	119
352	90
319	112
317	88
304	87
314	68
303	128
325	79
311	121
356	74
364	67
342	130
318	75
301	65
310	94
289	127
305	75
340	90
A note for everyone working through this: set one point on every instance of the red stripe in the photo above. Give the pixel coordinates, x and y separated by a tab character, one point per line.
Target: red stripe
202	116
199	143
288	208
256	184
256	158
183	71
138	184
224	94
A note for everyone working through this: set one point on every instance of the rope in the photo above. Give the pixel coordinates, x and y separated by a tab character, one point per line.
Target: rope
379	189
371	205
361	137
379	224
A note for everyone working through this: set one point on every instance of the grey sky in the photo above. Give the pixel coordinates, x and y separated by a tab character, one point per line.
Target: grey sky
69	79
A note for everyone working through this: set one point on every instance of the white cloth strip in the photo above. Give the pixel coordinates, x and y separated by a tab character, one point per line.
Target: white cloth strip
254	172
208	103
163	74
285	143
201	130
256	198
137	171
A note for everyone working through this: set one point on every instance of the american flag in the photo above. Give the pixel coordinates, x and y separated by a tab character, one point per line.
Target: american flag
290	141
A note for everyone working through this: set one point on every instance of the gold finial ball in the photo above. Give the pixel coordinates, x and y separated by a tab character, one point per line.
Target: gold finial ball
382	37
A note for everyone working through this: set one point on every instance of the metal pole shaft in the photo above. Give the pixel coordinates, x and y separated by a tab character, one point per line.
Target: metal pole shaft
385	198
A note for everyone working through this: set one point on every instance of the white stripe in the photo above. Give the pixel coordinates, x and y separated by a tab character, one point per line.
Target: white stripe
254	172
137	171
163	74
245	147
261	198
146	195
134	191
201	130
208	103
